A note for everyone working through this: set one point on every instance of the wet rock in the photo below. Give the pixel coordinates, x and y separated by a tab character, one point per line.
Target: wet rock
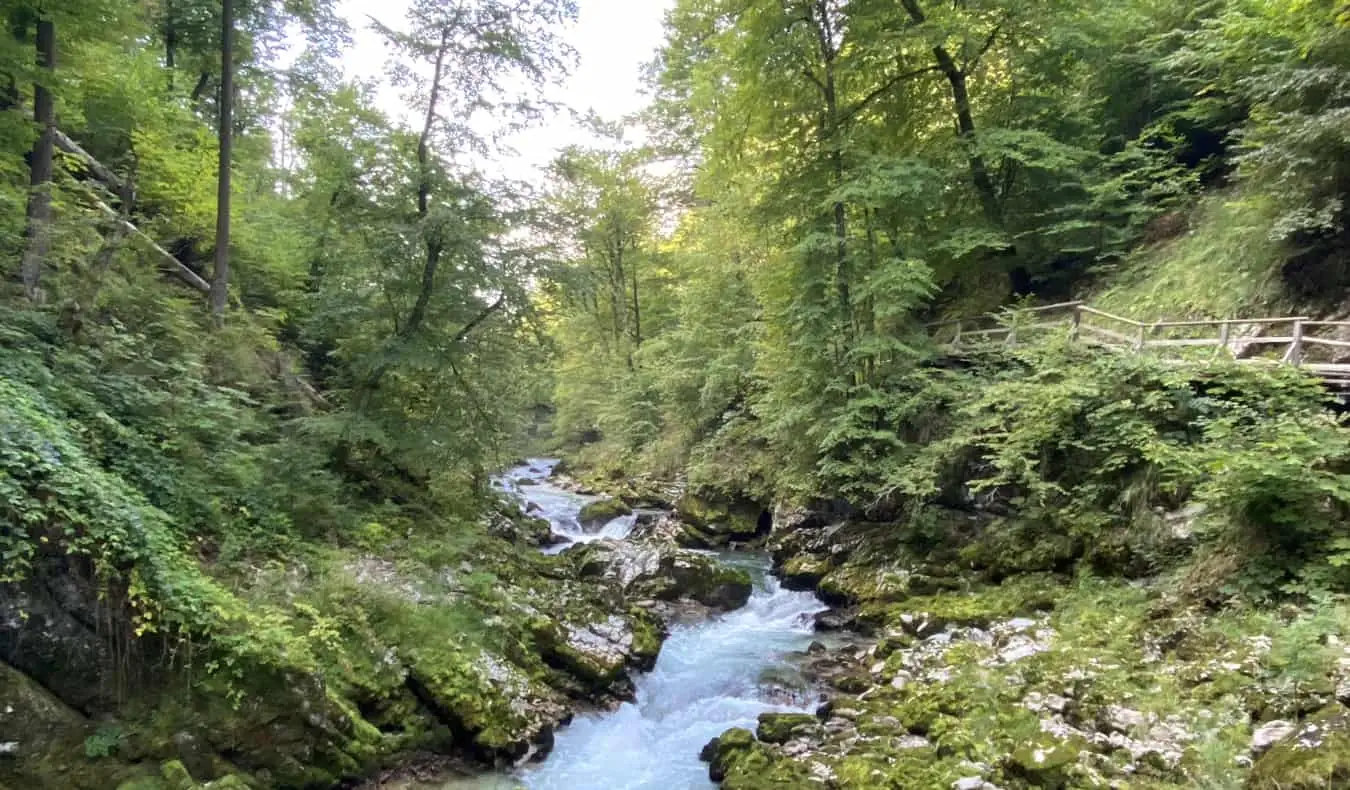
835	620
724	748
663	573
49	631
782	727
597	514
782	685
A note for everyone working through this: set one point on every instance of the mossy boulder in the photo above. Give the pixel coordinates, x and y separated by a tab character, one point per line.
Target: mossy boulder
663	573
716	523
599	653
1045	761
33	719
782	727
804	571
722	750
1315	756
596	514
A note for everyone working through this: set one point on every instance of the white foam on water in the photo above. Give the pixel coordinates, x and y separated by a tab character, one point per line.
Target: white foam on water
706	679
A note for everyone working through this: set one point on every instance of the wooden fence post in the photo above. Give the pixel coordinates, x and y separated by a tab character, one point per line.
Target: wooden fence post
1141	340
1295	354
1225	330
956	341
1077	322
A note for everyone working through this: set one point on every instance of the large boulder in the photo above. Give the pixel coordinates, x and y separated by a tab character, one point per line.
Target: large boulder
663	573
49	630
513	525
599	653
596	514
712	524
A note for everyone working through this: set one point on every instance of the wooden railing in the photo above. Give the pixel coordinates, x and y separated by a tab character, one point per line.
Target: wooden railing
1303	341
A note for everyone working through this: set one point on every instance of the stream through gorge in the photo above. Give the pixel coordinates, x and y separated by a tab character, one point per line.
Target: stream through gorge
710	675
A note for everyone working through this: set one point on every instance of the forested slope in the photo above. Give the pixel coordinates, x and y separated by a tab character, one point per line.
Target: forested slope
847	174
262	347
246	531
1082	568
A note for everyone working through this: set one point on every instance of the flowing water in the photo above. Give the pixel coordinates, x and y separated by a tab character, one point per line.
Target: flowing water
711	676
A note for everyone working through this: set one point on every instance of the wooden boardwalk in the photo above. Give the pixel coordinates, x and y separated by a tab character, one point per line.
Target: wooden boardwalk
1320	347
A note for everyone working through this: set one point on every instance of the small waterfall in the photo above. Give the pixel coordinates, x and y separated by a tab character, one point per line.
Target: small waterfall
710	677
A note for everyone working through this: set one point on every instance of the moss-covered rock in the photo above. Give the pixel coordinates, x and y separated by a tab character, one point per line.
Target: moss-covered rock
1315	756
716	523
598	513
1047	762
663	573
31	718
724	749
782	727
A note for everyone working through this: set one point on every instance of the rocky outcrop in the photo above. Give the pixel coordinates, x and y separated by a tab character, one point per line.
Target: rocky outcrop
662	573
979	667
596	514
710	523
1311	756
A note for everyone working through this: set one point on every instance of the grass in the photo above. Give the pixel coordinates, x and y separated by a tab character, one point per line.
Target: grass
1224	266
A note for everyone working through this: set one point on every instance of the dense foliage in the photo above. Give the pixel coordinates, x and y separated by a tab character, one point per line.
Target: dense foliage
847	172
365	376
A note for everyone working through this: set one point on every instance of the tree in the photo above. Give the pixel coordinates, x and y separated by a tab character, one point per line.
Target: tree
220	278
44	148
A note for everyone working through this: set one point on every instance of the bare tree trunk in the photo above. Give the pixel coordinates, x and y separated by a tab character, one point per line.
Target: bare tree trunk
221	274
40	198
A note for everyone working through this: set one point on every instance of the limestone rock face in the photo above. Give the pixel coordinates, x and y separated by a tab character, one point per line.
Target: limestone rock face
31	719
663	573
714	524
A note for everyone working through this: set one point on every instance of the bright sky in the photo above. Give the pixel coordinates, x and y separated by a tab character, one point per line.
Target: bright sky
613	38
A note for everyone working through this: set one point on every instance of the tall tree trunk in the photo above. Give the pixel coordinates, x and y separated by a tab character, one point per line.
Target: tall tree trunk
221	274
39	230
434	245
830	137
170	42
965	123
637	311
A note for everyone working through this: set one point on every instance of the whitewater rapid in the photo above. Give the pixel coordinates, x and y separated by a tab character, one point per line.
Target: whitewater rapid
711	676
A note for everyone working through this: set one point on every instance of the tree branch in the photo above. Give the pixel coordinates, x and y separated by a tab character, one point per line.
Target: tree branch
479	319
883	89
988	44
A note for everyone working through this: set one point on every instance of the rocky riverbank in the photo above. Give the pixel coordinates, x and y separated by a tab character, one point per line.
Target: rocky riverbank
470	653
993	664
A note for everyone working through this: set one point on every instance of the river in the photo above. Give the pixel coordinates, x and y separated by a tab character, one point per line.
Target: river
710	676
